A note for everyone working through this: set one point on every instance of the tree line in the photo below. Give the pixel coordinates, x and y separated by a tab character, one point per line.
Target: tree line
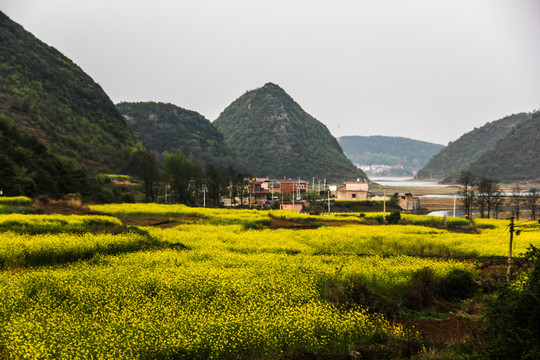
486	196
181	181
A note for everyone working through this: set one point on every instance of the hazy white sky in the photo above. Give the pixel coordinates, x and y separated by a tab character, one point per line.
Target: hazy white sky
425	69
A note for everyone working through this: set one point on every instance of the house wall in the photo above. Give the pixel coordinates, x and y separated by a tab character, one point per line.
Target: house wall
356	186
288	188
289	206
409	202
351	195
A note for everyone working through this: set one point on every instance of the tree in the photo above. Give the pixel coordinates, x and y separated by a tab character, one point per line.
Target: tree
498	202
532	201
467	192
181	176
215	179
517	200
143	164
487	190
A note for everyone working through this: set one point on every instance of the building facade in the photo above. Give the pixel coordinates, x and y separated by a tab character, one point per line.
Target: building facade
353	191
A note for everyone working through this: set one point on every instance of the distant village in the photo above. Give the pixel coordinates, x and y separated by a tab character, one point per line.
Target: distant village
290	194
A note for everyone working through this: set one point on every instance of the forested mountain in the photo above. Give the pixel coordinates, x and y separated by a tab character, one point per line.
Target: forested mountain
386	150
276	138
27	168
45	94
482	151
515	157
167	128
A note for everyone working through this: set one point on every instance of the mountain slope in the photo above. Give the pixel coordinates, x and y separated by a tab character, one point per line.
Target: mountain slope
460	154
167	128
50	97
275	137
514	157
27	168
386	150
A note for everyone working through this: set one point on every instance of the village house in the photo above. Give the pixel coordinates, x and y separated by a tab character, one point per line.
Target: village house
289	205
357	190
261	190
289	186
407	201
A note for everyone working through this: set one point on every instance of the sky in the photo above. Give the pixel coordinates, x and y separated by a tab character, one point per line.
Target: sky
429	70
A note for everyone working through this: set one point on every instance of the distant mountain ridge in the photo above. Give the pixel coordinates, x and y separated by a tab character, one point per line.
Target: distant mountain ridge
404	155
505	150
165	128
45	94
275	137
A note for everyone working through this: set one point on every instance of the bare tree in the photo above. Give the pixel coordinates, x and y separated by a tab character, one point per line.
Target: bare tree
467	192
498	202
487	190
532	201
517	200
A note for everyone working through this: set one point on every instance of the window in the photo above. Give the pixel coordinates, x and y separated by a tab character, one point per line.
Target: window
353	196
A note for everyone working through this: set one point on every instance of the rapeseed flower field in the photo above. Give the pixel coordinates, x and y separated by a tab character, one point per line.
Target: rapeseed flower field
212	289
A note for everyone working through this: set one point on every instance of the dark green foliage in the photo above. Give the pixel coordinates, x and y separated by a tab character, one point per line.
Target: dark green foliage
514	157
480	151
514	317
386	150
425	289
276	138
215	181
165	128
28	168
47	95
183	178
144	165
457	285
421	293
362	206
352	292
393	217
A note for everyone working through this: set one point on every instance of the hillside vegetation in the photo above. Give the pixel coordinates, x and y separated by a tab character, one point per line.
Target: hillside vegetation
166	128
47	95
26	167
387	150
275	137
461	154
514	157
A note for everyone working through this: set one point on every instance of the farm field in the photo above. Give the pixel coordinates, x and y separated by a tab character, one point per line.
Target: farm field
227	284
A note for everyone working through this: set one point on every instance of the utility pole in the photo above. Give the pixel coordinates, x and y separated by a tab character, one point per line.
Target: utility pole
204	195
324	190
454	205
328	198
509	269
292	195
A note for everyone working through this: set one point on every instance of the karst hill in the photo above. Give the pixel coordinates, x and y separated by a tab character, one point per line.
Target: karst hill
275	137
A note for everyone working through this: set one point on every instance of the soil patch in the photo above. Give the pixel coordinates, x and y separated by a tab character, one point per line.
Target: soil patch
452	331
162	222
65	209
290	224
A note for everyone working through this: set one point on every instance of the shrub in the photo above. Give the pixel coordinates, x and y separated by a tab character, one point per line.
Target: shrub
426	289
393	218
457	285
514	317
421	293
